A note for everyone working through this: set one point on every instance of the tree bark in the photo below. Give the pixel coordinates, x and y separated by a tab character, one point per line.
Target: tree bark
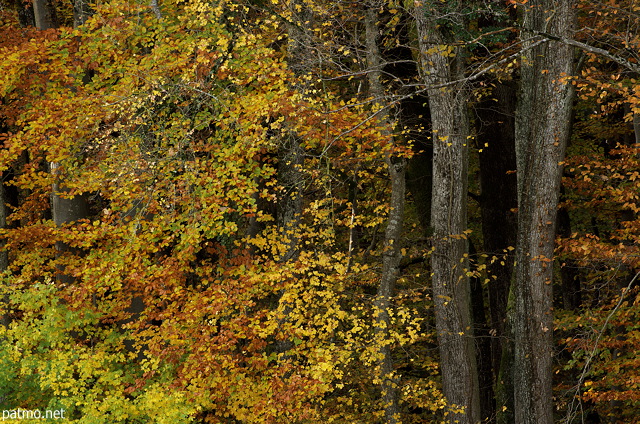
81	12
65	210
391	251
542	128
443	63
45	14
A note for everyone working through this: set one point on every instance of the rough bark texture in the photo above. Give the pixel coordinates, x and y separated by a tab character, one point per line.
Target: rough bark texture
542	128
451	293
391	251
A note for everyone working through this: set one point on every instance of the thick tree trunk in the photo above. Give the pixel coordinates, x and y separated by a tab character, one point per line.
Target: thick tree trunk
542	128
391	251
45	14
442	64
66	210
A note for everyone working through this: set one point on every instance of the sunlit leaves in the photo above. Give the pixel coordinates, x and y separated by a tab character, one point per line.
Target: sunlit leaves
178	297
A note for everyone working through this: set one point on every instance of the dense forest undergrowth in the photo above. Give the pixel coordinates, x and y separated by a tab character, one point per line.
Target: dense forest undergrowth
297	211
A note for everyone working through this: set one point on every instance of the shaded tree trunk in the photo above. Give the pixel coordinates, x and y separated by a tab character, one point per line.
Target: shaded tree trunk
498	202
290	160
569	271
81	12
482	335
442	63
391	251
4	255
66	210
542	128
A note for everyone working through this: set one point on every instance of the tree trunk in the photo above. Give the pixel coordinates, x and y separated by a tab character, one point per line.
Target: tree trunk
45	14
498	202
290	160
4	255
542	128
64	210
482	335
81	12
391	251
441	64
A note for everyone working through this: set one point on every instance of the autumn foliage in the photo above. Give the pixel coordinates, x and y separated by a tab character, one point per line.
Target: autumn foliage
184	293
171	300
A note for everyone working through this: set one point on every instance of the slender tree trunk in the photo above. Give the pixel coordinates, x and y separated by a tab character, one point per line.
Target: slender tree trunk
569	269
442	63
498	201
290	160
81	12
391	251
542	128
483	347
4	255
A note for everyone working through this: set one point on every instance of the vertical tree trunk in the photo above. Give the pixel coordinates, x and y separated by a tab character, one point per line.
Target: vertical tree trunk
393	231
443	63
290	160
482	335
64	210
81	12
45	14
542	128
4	255
498	201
